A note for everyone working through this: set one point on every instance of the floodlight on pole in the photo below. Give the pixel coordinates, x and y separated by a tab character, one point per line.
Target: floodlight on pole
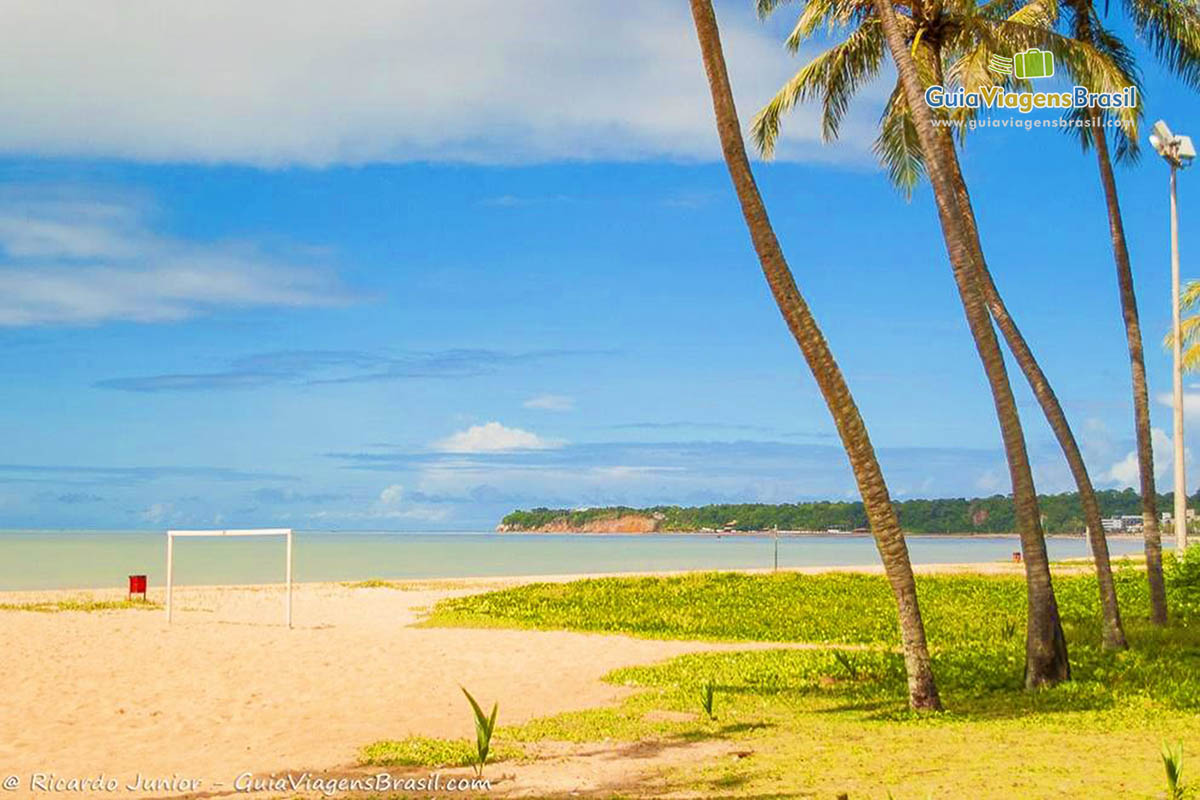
1178	152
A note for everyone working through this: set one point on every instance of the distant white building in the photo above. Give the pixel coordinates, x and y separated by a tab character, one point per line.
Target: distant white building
1126	523
1167	518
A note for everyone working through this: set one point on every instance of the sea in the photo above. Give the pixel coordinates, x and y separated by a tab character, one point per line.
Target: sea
98	559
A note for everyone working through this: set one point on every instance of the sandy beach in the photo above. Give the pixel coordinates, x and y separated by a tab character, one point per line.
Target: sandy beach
227	689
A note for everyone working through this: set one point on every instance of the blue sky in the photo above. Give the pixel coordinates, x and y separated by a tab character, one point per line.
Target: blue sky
398	266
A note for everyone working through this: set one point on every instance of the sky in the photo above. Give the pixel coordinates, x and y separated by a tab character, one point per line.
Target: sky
408	266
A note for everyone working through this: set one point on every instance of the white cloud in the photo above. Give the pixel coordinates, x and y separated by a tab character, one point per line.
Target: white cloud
350	81
492	437
392	495
1126	472
628	472
550	402
68	259
417	513
992	480
1191	402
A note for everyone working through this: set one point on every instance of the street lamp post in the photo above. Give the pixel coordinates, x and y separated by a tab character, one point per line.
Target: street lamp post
1178	152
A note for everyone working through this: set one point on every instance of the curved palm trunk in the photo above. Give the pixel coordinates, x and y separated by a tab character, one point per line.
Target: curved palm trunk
1046	660
922	691
1137	366
1113	632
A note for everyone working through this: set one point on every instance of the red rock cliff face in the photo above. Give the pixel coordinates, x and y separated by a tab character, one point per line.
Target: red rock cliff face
626	523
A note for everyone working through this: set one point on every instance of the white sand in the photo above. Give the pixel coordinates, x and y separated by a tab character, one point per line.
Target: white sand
227	688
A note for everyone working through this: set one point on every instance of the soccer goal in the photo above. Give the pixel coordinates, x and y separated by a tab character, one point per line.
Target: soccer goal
285	532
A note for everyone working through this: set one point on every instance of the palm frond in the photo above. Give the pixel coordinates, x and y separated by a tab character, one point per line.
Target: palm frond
1189	298
996	29
1171	30
830	14
1102	62
1094	58
765	8
1189	327
834	76
1036	13
897	146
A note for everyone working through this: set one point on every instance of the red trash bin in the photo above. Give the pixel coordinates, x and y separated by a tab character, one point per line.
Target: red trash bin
137	585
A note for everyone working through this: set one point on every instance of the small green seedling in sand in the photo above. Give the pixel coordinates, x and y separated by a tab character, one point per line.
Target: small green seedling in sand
1172	756
484	726
847	664
707	693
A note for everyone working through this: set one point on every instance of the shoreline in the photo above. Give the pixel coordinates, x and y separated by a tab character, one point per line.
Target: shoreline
42	563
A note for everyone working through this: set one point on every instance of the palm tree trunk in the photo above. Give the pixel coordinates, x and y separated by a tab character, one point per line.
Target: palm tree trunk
1137	366
1046	661
1113	632
922	691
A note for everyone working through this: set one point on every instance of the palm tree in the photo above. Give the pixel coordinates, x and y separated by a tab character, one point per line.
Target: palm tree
1151	535
1171	31
922	691
948	27
1046	660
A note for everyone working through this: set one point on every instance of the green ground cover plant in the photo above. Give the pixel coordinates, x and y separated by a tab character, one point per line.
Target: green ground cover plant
839	608
833	720
424	751
85	604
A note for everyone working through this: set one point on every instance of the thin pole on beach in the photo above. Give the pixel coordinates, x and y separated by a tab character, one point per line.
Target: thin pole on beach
1178	152
170	572
289	578
1177	394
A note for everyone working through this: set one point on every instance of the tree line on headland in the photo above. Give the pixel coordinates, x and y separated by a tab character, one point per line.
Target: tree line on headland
1062	513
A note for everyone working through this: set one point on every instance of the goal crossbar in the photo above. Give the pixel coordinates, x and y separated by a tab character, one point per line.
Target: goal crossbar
285	532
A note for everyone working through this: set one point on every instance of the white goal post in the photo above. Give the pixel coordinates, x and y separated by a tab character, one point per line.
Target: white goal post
285	532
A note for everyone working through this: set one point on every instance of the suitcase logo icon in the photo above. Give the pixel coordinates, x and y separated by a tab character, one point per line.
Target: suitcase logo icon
1032	63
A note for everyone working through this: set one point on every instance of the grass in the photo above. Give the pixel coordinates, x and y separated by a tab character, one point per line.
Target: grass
814	731
422	751
373	583
84	604
421	584
819	723
834	608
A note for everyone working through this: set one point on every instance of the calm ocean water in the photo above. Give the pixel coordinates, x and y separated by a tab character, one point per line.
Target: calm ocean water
52	560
